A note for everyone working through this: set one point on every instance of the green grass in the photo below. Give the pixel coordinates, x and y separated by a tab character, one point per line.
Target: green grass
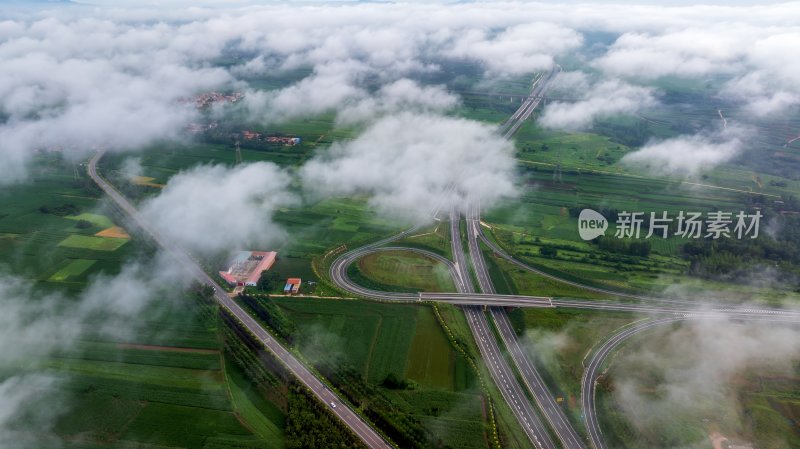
756	404
376	339
511	434
73	268
541	217
100	415
149	374
100	221
260	415
431	360
180	426
92	243
115	393
407	270
435	238
373	338
190	358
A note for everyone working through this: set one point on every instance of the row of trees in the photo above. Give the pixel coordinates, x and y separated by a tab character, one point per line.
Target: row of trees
310	425
272	315
776	249
640	248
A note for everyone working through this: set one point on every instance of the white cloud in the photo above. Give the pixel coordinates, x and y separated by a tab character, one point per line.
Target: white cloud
216	208
409	164
689	155
34	325
605	98
695	367
402	95
517	49
109	76
332	86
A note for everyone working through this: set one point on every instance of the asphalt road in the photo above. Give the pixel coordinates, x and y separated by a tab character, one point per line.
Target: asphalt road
342	410
592	370
675	309
498	368
668	313
538	88
533	381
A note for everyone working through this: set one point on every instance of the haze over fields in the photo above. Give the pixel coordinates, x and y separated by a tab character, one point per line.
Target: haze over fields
121	77
79	77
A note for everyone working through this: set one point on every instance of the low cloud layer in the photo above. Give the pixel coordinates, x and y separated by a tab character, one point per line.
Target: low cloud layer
75	78
216	208
402	95
688	373
603	99
519	49
34	325
411	164
689	155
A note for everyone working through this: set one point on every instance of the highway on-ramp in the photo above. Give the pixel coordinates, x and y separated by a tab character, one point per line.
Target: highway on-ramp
592	370
341	409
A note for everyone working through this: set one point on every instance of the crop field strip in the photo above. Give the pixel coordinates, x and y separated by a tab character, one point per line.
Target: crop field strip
128	393
405	340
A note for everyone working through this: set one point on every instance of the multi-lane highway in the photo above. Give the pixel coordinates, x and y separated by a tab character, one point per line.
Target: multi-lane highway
339	408
533	381
501	372
675	309
538	88
665	311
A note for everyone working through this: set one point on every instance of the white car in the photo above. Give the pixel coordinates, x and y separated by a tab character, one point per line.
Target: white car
333	405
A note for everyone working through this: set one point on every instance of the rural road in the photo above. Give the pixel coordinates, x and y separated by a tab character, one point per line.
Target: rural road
342	410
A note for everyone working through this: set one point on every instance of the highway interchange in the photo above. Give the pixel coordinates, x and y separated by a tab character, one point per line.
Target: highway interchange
660	312
667	310
663	310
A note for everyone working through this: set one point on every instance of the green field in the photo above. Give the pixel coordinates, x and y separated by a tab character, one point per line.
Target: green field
161	385
97	220
427	365
541	218
73	268
406	270
93	243
558	340
376	340
756	405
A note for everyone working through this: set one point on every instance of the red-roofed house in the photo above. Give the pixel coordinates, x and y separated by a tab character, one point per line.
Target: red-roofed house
292	286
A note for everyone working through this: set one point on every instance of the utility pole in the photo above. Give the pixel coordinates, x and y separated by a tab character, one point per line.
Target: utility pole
238	153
